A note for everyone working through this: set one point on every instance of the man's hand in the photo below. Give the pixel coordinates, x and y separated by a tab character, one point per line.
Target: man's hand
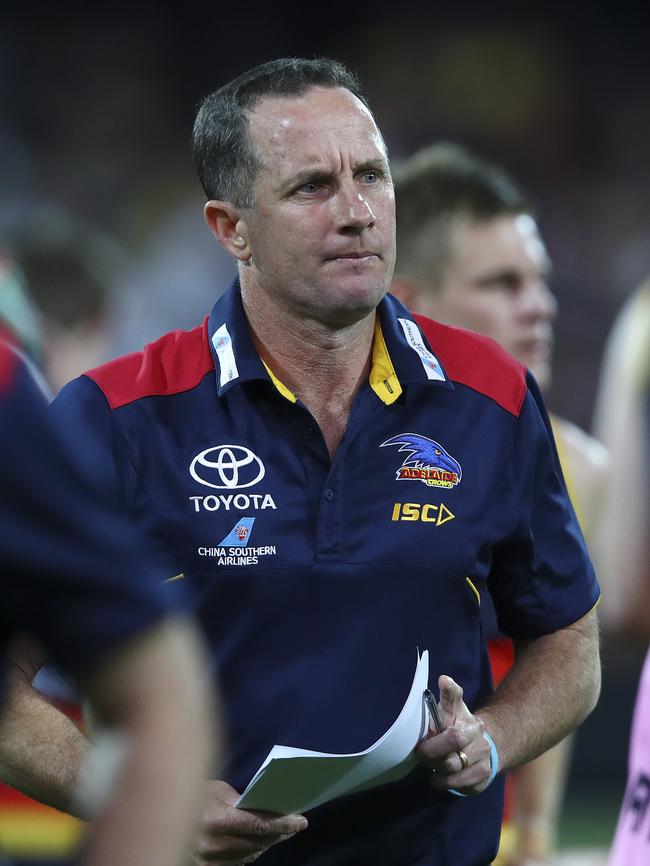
463	735
232	837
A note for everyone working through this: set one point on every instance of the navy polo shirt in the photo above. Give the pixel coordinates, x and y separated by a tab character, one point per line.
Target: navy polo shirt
317	580
71	573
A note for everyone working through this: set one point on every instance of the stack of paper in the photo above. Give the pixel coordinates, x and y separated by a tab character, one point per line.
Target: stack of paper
295	780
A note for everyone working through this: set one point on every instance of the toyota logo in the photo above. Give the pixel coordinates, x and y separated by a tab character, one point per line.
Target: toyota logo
227	467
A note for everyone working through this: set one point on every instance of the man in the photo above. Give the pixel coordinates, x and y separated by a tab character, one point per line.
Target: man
68	582
263	450
470	255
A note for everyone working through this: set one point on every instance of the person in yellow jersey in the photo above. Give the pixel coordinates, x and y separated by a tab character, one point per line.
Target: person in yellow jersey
469	254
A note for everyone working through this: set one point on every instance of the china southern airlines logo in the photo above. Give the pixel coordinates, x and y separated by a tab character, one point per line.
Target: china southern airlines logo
427	461
239	535
227	467
235	548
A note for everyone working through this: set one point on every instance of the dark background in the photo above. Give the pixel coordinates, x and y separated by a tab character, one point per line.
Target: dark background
97	104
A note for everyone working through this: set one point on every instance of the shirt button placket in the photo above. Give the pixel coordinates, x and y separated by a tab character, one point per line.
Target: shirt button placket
329	521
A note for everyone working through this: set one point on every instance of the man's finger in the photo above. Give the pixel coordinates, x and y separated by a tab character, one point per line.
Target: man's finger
451	699
435	750
471	780
241	822
266	823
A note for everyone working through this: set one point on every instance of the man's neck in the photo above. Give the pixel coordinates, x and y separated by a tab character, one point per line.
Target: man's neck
323	366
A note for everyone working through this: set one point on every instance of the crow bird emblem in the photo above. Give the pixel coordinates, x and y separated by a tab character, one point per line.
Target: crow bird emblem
426	461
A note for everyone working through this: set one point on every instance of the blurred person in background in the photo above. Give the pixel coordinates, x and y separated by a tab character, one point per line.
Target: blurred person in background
469	254
67	269
622	420
89	297
308	366
76	590
54	300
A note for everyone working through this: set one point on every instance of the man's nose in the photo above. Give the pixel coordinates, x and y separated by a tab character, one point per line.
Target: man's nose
540	301
355	213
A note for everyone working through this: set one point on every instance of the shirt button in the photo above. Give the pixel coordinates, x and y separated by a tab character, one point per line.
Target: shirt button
329	494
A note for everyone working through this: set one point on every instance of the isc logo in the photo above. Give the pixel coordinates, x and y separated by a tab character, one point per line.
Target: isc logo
427	513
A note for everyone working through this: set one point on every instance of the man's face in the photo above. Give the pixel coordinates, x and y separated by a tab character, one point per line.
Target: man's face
494	282
322	230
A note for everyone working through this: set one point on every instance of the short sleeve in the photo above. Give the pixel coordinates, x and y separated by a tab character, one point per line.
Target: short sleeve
82	410
103	450
73	574
541	578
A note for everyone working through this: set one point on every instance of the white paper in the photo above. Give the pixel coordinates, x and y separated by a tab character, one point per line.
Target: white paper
295	780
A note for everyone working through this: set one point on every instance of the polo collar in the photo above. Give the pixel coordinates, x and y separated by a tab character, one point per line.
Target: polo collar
413	358
401	354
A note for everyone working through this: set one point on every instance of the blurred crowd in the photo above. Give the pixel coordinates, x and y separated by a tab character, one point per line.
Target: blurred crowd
97	110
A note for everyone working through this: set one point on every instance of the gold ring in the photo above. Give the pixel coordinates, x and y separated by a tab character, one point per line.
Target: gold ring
464	760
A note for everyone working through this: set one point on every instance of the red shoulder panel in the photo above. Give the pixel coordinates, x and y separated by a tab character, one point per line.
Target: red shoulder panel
174	363
477	361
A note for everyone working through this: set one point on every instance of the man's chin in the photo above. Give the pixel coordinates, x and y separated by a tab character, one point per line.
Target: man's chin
353	300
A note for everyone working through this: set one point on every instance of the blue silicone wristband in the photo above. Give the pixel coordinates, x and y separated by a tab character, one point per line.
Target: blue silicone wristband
494	758
494	763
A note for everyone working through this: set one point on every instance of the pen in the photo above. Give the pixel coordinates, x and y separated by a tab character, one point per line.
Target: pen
432	706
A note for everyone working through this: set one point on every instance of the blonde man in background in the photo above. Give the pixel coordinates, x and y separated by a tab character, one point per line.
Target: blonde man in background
469	254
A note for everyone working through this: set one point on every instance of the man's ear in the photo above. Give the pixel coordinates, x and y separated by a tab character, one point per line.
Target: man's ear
405	290
228	227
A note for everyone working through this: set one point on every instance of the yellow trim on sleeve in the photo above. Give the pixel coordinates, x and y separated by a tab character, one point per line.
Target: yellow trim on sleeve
476	592
286	393
175	577
383	378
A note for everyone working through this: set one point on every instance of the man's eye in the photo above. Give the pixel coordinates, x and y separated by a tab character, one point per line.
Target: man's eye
508	283
310	187
370	176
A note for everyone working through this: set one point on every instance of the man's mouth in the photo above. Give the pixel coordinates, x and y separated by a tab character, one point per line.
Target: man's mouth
535	347
363	256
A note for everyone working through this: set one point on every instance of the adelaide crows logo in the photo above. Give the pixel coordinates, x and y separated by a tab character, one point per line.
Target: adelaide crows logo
427	461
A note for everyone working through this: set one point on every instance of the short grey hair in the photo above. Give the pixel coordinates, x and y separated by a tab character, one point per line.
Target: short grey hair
224	155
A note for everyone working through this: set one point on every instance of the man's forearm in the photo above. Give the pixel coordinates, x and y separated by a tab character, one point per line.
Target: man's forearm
41	749
552	687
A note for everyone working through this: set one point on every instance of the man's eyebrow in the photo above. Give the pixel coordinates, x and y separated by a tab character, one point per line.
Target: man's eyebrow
305	174
510	272
496	274
376	163
320	173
